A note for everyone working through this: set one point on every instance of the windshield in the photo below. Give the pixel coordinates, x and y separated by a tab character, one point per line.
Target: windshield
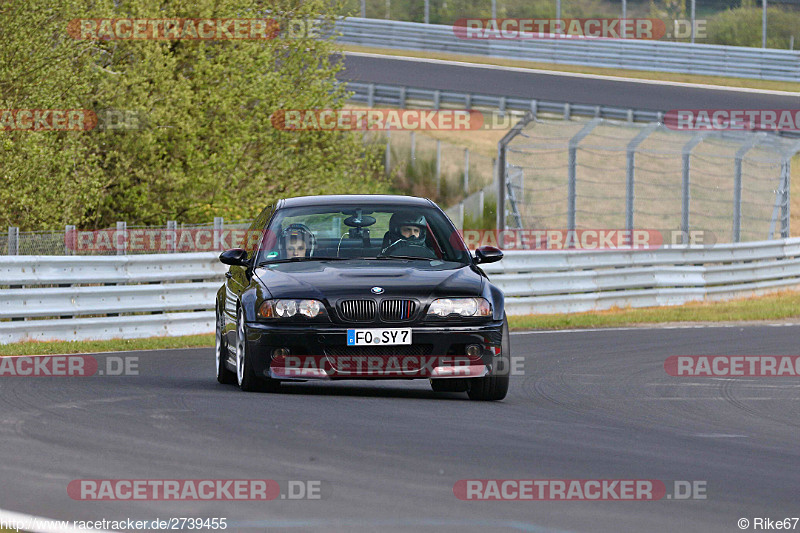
368	232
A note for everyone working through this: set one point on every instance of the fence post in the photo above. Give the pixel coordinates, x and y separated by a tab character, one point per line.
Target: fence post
413	149
466	170
737	184
480	208
438	167
461	217
786	211
572	174
437	96
402	97
631	176
388	154
172	236
500	168
121	238
371	95
685	182
219	225
13	240
70	239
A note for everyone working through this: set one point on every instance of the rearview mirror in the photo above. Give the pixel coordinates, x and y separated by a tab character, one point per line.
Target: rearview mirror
234	256
488	254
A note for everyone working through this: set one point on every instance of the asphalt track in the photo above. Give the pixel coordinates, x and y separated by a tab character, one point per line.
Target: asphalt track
589	405
557	87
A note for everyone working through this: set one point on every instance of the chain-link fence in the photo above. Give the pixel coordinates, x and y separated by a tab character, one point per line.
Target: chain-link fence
123	239
600	173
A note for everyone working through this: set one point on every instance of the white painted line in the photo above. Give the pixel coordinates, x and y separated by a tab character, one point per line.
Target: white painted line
38	524
648	328
577	74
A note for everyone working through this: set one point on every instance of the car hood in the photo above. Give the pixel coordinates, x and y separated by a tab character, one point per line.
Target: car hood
355	279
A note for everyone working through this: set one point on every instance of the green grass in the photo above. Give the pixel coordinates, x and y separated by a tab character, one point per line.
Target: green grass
113	345
778	306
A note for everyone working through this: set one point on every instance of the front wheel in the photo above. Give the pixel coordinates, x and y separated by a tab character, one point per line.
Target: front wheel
495	386
245	376
224	375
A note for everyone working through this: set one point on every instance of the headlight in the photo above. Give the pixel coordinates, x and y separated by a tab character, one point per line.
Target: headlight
290	308
460	306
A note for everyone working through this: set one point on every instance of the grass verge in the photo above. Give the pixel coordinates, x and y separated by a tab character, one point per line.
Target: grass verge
113	345
779	306
620	73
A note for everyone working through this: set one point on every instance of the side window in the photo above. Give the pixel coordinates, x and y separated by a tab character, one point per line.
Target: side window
256	230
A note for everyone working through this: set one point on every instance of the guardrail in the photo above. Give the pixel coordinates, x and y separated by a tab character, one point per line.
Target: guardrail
53	297
80	298
402	96
663	56
374	94
572	281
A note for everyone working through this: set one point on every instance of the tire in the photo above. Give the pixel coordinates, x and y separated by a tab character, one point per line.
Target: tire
245	376
449	385
224	375
493	387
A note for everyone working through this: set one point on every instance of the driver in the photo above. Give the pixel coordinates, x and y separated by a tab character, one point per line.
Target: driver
297	240
406	229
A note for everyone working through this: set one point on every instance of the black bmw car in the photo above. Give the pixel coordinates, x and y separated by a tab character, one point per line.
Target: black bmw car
360	287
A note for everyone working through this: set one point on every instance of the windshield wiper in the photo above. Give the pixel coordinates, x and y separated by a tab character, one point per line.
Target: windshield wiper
402	257
299	260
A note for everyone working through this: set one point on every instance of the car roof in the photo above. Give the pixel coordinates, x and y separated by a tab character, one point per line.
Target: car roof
355	199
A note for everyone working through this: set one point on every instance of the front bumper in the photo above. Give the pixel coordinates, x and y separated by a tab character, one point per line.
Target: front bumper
321	352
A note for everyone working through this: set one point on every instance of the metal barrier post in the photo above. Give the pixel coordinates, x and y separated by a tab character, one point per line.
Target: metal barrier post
13	240
438	167
466	170
171	236
70	239
121	238
413	149
387	156
219	225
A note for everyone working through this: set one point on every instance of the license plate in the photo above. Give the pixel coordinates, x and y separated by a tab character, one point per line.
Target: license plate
378	337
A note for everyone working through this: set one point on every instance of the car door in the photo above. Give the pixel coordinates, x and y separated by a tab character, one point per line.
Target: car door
237	278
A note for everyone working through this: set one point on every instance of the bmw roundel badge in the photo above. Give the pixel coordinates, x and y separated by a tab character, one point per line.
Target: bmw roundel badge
377	290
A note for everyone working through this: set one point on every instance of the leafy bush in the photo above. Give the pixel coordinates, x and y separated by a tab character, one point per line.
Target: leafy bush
742	27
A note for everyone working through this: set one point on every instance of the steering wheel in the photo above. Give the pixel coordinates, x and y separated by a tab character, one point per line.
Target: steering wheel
400	243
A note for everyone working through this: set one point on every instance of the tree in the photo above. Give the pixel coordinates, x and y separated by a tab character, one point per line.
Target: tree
202	143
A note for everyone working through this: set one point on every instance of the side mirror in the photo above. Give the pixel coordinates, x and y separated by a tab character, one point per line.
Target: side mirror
234	256
487	254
